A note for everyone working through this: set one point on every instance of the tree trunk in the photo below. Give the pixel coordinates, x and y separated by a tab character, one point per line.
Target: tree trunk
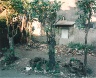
85	54
51	57
86	50
52	44
11	44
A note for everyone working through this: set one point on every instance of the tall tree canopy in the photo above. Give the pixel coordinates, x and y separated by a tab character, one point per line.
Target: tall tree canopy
86	9
45	10
47	13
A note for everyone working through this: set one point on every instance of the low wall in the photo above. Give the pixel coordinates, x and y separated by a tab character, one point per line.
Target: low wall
78	36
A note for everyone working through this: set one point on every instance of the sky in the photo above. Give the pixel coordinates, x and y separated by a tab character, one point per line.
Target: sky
67	3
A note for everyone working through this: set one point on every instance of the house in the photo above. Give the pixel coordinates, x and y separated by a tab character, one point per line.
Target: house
65	31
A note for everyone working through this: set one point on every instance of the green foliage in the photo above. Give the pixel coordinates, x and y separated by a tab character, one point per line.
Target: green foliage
80	46
86	9
17	5
45	10
9	56
4	49
47	28
86	5
90	47
37	63
76	46
3	23
41	64
89	71
57	68
74	59
47	14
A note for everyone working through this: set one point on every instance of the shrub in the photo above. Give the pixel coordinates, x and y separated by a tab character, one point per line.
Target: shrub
37	62
9	56
76	45
80	46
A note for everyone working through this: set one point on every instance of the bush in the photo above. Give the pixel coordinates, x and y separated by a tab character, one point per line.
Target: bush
9	56
90	47
37	62
80	46
41	64
76	46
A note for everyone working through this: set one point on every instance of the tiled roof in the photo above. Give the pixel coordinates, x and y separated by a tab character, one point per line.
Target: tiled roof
65	22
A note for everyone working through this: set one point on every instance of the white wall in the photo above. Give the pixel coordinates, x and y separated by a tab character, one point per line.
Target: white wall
64	33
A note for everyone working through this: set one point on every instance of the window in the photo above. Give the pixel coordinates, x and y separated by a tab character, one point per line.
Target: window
64	33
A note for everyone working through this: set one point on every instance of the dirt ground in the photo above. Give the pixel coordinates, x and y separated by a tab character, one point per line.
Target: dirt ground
25	54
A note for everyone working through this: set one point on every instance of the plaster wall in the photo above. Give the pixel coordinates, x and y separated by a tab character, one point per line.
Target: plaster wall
78	36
